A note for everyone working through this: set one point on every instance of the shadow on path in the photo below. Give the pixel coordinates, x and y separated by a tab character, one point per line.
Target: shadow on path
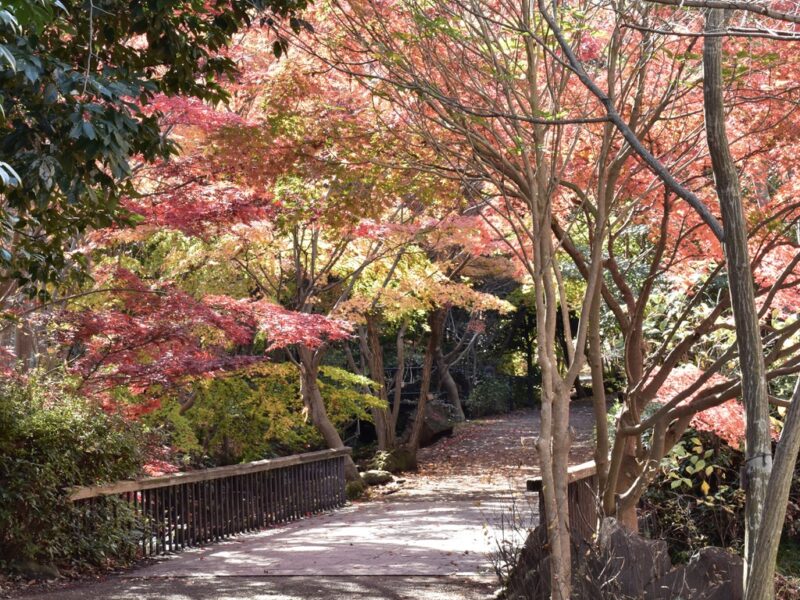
433	539
283	588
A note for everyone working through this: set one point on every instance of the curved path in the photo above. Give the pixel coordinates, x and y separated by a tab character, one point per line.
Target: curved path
431	537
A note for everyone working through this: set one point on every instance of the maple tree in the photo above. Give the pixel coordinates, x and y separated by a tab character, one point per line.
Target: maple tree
274	243
488	103
745	311
335	201
478	109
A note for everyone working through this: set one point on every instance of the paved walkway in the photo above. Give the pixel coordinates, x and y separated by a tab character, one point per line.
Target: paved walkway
431	539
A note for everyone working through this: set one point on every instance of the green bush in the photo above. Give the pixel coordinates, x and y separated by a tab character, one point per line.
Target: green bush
50	441
695	500
489	397
522	396
257	413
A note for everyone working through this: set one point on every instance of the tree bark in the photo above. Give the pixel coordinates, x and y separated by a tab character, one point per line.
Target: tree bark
449	384
398	375
761	583
382	417
315	405
758	451
435	319
598	393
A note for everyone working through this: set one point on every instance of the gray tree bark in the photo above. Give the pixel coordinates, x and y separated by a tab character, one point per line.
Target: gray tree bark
761	583
382	417
435	319
315	405
758	449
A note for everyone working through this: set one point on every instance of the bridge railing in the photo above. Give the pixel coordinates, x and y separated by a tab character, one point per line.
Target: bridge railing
171	512
581	497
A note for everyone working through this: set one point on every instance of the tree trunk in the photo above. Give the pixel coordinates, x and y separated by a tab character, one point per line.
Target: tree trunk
529	373
382	417
434	321
554	440
450	385
598	394
442	366
758	451
761	583
398	375
315	405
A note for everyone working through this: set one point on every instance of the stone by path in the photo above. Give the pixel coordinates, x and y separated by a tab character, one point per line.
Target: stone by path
432	539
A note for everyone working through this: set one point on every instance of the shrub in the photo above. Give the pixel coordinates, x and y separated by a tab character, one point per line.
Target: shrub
257	413
524	396
696	501
49	441
489	397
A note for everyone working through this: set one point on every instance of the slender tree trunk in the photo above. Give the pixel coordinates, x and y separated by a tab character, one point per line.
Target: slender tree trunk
398	375
761	583
434	321
598	393
758	450
382	418
449	383
315	405
443	368
554	440
529	386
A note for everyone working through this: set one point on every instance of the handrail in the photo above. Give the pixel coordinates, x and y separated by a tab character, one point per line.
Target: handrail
574	473
581	499
149	483
171	512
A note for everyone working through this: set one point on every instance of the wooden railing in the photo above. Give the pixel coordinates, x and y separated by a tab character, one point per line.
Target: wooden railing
582	499
172	512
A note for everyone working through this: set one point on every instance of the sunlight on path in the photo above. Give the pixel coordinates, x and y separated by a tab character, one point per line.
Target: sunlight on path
432	539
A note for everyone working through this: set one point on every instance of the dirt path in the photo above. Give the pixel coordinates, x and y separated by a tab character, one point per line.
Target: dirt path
432	538
494	455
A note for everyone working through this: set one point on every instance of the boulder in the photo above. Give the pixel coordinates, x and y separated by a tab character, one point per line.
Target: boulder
711	574
622	565
633	562
394	461
376	477
439	421
530	577
355	489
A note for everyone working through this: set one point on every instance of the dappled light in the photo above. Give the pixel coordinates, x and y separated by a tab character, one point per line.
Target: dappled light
400	299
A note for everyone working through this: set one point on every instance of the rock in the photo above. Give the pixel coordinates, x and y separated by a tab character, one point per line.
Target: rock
530	577
623	565
394	461
32	570
355	489
632	561
711	574
439	421
376	477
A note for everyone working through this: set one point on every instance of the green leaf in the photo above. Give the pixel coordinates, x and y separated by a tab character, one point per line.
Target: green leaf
88	130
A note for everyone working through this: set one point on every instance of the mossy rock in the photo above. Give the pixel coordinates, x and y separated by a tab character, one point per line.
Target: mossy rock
394	461
376	477
355	489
